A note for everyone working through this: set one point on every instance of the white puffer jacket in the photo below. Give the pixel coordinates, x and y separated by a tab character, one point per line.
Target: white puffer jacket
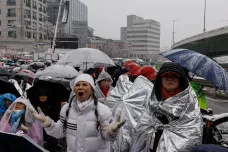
81	133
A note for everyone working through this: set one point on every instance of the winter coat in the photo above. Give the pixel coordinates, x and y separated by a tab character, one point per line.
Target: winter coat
101	98
116	74
200	95
82	134
99	94
49	109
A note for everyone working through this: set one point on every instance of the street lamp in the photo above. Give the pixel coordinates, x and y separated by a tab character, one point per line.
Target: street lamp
174	30
204	23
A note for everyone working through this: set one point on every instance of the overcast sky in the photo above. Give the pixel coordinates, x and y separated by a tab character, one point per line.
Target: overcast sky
107	16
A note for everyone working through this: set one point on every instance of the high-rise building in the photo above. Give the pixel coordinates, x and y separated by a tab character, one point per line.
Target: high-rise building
144	34
73	19
123	33
53	10
131	18
78	15
22	15
22	22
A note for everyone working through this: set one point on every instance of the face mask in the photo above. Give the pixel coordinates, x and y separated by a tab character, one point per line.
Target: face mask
16	111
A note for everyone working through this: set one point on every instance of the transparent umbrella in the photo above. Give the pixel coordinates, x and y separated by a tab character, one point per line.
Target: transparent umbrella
84	57
58	71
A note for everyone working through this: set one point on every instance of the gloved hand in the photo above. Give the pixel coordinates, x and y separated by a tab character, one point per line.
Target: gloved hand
45	120
115	126
24	128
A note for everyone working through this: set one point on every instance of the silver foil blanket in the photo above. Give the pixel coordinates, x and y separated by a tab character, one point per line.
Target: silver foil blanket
130	109
116	94
181	134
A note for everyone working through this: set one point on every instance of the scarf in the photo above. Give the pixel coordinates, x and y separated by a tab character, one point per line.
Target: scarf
82	105
15	119
166	95
104	91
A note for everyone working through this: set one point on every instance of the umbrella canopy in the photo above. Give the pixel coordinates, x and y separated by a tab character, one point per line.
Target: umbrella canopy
16	69
56	91
36	65
86	56
18	142
7	67
8	87
4	72
24	66
58	71
200	65
13	64
26	74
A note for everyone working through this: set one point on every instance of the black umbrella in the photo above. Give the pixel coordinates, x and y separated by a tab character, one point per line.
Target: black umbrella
62	81
36	66
8	87
56	91
12	142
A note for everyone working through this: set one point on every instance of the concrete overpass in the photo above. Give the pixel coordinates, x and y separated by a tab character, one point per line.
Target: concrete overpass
212	43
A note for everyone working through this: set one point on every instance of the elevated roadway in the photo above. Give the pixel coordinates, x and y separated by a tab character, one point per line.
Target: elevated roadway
213	43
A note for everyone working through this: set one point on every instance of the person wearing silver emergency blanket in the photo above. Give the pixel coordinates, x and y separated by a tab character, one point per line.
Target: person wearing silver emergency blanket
171	120
130	109
103	87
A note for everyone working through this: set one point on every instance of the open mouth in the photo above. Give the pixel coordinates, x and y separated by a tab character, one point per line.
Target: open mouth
80	94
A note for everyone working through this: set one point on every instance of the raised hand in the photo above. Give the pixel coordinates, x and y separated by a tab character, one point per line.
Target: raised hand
39	116
115	126
45	120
